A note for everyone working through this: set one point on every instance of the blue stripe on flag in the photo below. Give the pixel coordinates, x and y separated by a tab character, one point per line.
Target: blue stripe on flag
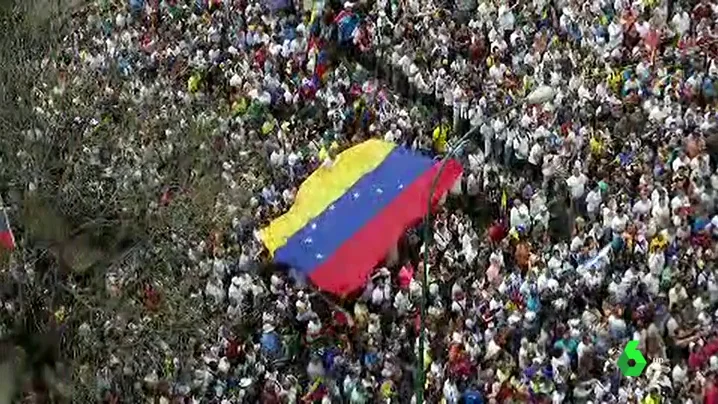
316	242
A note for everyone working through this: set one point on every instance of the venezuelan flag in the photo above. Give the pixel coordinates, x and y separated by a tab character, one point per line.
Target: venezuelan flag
7	238
347	215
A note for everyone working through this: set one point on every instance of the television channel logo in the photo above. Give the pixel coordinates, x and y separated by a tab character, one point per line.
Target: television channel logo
631	362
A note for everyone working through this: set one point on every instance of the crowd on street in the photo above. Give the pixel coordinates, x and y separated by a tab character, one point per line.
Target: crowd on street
582	223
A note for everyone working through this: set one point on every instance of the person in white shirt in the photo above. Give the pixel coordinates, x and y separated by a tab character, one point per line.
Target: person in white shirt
473	184
679	201
521	147
577	243
389	136
499	140
593	202
442	237
681	22
615	33
608	213
520	216
577	187
476	161
714	180
458	103
676	295
549	166
539	212
536	154
577	184
497	71
680	161
487	132
642	207
620	221
660	211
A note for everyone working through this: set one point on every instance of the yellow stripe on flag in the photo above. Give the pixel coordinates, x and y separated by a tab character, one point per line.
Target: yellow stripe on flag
327	184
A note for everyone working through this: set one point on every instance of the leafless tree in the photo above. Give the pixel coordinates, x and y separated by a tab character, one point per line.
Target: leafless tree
100	287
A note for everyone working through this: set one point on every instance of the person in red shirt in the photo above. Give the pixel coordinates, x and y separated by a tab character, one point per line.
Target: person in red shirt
497	232
710	393
699	357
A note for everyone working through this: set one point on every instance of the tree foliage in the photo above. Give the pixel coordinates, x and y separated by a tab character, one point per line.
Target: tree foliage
107	195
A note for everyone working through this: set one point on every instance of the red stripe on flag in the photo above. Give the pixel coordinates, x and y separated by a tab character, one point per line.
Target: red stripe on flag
7	240
351	264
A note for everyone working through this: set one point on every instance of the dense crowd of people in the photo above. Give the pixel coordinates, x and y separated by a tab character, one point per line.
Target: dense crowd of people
582	223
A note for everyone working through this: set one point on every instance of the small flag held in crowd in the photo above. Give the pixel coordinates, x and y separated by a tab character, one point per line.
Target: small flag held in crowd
7	239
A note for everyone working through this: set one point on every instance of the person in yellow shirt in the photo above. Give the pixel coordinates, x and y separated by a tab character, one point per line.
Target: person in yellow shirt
268	126
239	107
651	398
528	84
596	145
441	133
193	83
614	81
658	243
387	389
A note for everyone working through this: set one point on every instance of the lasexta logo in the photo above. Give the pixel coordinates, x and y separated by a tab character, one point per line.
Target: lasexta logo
631	362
